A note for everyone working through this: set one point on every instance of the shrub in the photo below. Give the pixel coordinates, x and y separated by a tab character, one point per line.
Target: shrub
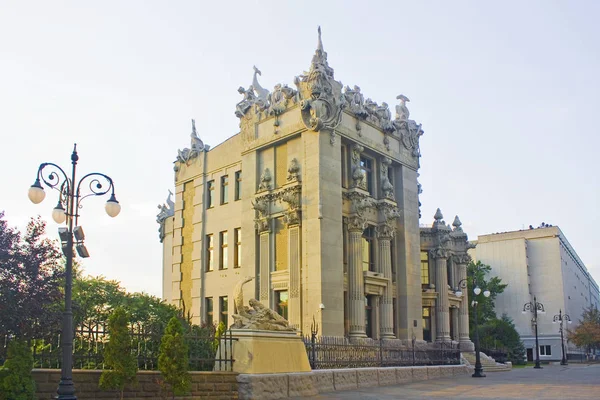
117	354
16	382
173	358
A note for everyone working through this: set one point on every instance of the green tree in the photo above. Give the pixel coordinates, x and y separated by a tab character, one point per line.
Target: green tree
587	333
500	333
173	358
118	356
31	277
479	273
16	382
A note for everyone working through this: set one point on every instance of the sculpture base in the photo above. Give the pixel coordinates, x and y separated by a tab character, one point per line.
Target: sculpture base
268	352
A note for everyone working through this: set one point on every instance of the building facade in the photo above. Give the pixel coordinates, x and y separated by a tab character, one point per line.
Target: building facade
316	198
539	262
444	261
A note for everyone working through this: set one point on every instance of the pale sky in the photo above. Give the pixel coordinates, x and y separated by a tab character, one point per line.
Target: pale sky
507	92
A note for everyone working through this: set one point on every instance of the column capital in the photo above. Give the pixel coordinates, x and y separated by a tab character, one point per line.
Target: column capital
385	231
439	252
355	223
461	258
263	225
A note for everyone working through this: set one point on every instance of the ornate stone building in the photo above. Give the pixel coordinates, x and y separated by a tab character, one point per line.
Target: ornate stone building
317	198
444	261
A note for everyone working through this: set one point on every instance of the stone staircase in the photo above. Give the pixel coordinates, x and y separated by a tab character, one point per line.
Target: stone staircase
488	363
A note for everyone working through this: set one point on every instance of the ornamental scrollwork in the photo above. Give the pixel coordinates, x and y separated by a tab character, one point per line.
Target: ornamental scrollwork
439	252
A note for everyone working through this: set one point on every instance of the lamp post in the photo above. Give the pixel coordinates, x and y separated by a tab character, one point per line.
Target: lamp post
477	291
560	318
535	308
67	211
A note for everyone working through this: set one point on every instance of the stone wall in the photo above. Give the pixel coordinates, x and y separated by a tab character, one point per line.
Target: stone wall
205	385
281	386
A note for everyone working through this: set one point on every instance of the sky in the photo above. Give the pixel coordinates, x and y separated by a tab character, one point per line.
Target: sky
507	92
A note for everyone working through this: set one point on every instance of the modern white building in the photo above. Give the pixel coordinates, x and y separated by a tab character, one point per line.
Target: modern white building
541	263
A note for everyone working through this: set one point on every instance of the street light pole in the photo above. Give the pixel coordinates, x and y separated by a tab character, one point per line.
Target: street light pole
561	318
478	373
534	308
69	203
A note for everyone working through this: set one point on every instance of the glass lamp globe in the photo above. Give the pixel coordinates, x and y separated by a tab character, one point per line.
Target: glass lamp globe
36	192
486	293
477	290
112	207
58	214
458	293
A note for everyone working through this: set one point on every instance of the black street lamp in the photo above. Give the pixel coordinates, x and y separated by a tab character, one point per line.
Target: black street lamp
67	209
486	293
535	308
561	318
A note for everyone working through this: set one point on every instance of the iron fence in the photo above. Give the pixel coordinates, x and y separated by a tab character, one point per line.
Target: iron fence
338	352
206	348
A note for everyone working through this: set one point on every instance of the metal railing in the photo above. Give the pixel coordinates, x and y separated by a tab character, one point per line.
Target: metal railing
206	348
339	352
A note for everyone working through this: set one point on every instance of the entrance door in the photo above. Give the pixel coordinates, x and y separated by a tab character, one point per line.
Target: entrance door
529	355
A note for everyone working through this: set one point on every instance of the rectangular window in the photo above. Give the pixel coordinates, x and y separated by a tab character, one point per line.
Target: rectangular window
238	185
281	165
281	245
343	166
368	250
237	253
425	268
366	165
210	201
209	310
223	259
545	350
427	324
225	189
281	303
223	304
209	253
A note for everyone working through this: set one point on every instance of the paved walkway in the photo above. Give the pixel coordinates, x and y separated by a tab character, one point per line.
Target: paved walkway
575	381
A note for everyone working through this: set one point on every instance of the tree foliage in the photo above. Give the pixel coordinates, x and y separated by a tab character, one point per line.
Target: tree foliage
479	273
173	358
118	355
500	333
16	382
587	333
31	276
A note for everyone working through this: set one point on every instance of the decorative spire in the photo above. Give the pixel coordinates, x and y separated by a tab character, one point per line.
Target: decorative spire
320	42
438	215
456	224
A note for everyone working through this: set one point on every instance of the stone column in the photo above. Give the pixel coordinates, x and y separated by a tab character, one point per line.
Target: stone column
442	305
265	263
384	236
356	287
454	316
463	313
294	311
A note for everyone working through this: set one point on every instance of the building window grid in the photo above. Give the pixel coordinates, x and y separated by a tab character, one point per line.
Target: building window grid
211	194
545	350
223	305
238	185
209	310
237	253
368	250
225	189
223	259
424	268
210	256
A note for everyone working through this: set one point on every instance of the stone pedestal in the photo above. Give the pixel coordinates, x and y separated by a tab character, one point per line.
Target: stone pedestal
268	352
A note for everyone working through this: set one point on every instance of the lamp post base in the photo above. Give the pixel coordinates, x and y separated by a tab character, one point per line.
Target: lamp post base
564	363
478	373
537	366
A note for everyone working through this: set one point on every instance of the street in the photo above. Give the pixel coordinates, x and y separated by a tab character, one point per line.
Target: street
576	381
